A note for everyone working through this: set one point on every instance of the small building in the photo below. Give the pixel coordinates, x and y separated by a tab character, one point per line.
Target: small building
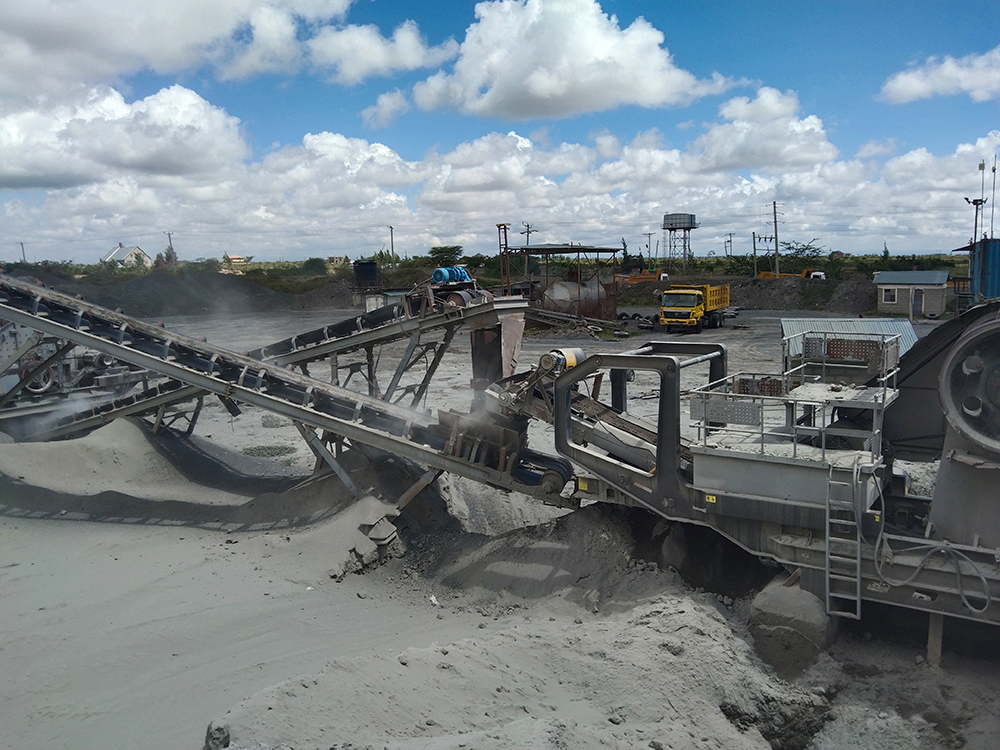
916	293
128	257
236	260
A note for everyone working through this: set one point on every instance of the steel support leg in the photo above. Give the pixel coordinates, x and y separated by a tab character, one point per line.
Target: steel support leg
404	363
432	368
323	452
372	375
426	480
935	635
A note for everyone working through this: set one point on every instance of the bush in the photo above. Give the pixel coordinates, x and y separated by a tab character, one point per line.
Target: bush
314	267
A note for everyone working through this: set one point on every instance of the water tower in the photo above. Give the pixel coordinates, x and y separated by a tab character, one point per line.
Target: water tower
677	235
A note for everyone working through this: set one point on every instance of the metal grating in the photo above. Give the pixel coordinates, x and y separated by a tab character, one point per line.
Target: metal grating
849	326
760	387
724	411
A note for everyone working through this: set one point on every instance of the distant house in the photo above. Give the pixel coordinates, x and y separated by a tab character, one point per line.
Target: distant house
924	293
128	257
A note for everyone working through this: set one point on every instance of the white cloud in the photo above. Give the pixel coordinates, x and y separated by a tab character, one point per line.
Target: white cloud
975	75
172	134
51	45
359	52
387	108
273	48
763	133
555	58
107	170
877	148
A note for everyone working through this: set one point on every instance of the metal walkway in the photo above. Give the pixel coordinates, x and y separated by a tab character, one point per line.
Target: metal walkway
492	453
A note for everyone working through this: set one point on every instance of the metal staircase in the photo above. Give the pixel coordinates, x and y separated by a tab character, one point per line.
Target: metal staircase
843	546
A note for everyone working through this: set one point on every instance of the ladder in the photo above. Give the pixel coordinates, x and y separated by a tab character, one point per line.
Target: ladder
843	547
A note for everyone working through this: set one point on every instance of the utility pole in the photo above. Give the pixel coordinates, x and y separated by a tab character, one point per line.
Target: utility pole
23	257
754	236
994	204
977	202
172	256
392	244
777	261
728	245
528	231
649	250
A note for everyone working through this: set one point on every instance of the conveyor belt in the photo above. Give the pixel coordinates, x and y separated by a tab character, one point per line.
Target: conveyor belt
164	393
490	455
379	326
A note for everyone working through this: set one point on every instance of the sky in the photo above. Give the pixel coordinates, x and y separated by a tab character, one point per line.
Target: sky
307	128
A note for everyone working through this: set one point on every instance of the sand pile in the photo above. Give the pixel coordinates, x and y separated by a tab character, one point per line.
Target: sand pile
670	673
664	670
485	510
123	473
117	458
586	557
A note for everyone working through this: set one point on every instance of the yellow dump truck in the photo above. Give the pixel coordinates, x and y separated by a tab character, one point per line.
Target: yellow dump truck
694	307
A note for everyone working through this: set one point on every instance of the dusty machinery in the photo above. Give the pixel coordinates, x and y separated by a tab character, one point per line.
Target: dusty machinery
797	467
41	371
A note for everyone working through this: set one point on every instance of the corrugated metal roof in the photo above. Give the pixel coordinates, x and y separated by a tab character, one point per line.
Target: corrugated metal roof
901	326
928	278
120	253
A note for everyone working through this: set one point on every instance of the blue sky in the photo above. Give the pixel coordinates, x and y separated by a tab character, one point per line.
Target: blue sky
298	128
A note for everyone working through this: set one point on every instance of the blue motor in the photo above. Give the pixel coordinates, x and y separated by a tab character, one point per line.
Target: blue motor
456	273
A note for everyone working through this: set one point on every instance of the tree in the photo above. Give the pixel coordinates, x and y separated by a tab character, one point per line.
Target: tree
446	255
314	267
803	250
169	256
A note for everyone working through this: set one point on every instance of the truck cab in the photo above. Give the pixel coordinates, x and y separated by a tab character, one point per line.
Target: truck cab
693	307
683	308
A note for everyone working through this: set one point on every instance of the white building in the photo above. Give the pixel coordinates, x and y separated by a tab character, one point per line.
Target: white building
129	257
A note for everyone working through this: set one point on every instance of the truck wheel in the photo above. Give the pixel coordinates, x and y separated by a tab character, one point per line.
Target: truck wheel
699	325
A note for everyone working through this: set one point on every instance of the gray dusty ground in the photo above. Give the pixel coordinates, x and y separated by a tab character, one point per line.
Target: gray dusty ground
518	626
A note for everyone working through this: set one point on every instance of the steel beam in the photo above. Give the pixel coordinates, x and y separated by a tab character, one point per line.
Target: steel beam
357	417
